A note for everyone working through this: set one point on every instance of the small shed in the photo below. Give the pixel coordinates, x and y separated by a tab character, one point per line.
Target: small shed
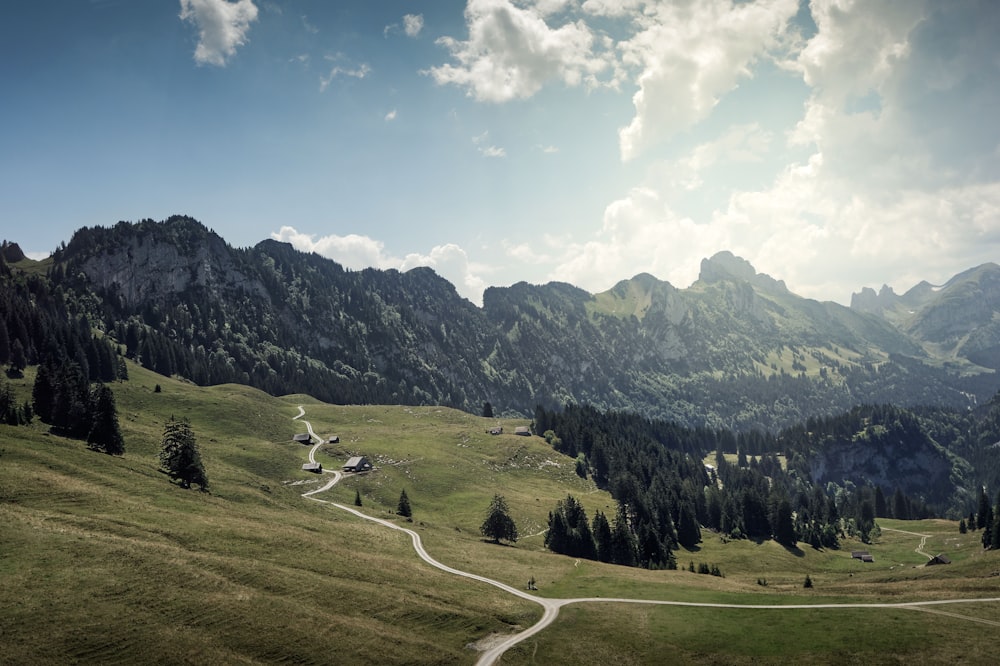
302	438
859	555
313	467
523	430
939	559
357	464
334	439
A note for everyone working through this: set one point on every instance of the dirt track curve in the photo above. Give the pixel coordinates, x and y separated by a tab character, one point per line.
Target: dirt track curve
551	606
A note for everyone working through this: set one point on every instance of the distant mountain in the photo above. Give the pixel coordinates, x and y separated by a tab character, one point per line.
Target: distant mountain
735	349
957	321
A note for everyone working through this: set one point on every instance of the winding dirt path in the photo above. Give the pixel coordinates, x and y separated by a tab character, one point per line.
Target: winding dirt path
923	540
550	607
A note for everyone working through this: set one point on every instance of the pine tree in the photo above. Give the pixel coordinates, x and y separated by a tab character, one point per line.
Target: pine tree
624	549
403	507
601	530
784	528
995	527
105	434
808	582
962	529
487	410
984	519
498	524
179	456
688	530
357	498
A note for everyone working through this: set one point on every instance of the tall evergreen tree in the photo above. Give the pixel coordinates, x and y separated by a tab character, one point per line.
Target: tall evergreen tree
881	508
995	527
984	519
179	455
105	434
403	506
498	524
784	527
688	530
624	549
601	530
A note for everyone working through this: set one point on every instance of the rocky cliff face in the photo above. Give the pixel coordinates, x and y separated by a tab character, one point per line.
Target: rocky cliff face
146	264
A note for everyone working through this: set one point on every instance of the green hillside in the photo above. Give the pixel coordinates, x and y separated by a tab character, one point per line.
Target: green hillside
103	560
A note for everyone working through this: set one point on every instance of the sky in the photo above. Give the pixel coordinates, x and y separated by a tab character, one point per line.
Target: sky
834	144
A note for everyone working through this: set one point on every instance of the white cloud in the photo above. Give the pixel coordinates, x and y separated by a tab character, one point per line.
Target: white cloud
858	45
512	52
689	55
413	24
612	8
222	27
640	234
358	252
309	27
452	263
389	117
355	72
739	144
486	148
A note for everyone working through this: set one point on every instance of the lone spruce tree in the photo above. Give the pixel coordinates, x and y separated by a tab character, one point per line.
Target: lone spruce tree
179	456
498	524
105	435
403	508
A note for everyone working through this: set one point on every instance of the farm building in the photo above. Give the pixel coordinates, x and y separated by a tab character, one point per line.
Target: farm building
939	559
862	555
334	439
302	438
313	467
357	464
522	430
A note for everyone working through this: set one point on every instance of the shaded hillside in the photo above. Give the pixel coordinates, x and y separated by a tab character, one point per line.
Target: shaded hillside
736	349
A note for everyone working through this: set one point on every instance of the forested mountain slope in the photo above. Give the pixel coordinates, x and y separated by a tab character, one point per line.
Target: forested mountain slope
735	349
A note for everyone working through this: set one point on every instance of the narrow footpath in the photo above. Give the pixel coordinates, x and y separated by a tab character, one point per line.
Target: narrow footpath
551	607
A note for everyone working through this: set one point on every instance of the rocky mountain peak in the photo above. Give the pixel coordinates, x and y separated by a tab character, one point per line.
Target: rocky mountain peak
727	266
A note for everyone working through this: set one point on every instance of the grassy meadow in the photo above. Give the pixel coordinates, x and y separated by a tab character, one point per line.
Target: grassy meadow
103	560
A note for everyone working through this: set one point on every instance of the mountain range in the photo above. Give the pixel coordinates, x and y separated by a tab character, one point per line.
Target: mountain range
735	349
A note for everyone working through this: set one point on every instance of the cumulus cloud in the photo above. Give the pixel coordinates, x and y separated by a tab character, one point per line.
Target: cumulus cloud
690	54
222	27
358	252
512	51
389	117
740	144
892	179
413	24
452	263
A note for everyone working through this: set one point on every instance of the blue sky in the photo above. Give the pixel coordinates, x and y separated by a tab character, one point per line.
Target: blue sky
834	144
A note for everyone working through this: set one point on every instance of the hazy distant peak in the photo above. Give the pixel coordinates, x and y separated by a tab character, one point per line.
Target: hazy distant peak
727	266
724	265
